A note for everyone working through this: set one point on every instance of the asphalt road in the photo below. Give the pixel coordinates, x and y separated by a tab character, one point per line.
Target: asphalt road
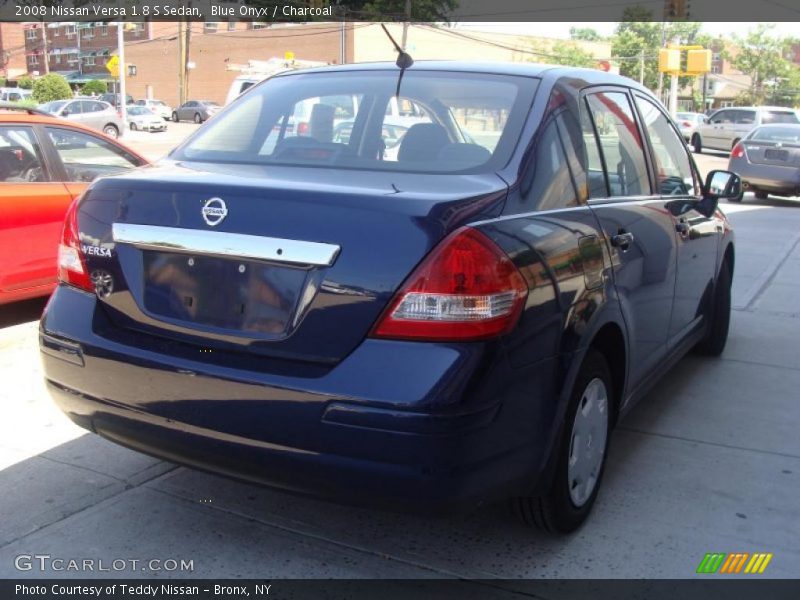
708	462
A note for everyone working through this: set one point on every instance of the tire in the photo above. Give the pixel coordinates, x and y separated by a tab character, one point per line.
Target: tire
111	130
697	144
197	118
762	195
132	126
565	506
713	343
175	117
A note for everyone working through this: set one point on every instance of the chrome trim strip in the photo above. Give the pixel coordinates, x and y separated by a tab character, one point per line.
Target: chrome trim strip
219	243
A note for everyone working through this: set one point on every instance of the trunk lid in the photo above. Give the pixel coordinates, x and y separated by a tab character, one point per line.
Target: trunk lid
283	261
772	153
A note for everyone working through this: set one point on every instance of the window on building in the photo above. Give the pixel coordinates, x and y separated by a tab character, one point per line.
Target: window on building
231	25
88	32
258	25
30	34
33	59
88	61
104	29
57	31
70	30
210	27
57	59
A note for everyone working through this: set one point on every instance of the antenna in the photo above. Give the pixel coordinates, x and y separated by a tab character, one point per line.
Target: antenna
404	59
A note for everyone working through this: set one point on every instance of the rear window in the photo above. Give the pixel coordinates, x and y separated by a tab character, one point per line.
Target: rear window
789	135
440	122
779	116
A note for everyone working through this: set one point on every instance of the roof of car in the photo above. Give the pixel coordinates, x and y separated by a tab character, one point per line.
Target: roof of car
524	69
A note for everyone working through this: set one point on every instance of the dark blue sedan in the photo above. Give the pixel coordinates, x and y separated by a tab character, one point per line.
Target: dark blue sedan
459	321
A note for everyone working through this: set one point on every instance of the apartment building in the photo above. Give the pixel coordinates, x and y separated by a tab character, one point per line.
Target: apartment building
12	51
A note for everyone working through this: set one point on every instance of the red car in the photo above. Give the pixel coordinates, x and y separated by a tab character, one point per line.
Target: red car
45	163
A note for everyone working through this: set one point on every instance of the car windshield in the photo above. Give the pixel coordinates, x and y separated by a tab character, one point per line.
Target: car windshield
52	107
139	110
787	135
157	103
460	122
208	103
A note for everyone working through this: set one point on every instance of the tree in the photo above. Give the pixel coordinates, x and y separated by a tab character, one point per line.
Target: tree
763	57
25	82
586	34
95	86
51	87
563	52
637	35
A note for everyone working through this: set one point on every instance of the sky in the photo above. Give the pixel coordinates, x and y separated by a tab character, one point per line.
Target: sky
561	30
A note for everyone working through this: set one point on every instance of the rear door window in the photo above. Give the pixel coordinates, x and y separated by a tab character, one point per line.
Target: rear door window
618	145
778	116
723	116
745	117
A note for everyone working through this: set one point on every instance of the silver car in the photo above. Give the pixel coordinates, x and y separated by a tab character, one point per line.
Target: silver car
768	161
195	110
142	118
92	113
724	128
688	122
159	107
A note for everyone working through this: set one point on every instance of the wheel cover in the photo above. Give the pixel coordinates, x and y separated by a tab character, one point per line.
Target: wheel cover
588	442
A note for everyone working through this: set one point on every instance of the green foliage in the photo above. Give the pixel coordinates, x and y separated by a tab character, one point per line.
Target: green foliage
563	52
637	34
774	77
2	82
25	82
586	34
95	86
51	87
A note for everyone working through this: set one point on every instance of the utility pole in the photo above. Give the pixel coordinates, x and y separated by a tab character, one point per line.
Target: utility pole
123	71
705	87
673	85
641	66
187	61
343	39
181	62
405	24
46	57
660	74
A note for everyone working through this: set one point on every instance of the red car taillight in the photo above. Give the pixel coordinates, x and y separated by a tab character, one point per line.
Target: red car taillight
71	262
738	151
466	289
686	123
302	128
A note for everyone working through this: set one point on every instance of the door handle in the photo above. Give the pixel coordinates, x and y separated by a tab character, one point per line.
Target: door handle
622	240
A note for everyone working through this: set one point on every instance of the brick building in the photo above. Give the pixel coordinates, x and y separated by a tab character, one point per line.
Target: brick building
12	51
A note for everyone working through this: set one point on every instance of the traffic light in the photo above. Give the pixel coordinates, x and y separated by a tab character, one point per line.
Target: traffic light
698	61
669	60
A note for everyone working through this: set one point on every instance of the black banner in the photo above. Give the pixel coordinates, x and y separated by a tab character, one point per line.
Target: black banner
276	11
203	589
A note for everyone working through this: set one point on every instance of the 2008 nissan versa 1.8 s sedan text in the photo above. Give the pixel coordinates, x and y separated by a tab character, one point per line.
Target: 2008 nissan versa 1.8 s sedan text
460	324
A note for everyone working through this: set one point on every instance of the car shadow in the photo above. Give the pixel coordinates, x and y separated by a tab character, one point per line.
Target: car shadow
22	312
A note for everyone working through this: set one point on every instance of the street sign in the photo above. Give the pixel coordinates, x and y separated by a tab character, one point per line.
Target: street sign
112	65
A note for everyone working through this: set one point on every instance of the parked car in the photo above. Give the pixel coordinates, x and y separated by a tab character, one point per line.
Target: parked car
92	113
768	161
159	107
724	128
195	110
114	99
14	94
45	163
688	122
462	324
143	119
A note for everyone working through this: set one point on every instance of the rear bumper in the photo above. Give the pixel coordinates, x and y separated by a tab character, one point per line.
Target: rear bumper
396	424
771	178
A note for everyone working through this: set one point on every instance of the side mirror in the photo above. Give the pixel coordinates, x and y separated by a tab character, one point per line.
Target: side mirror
720	184
65	113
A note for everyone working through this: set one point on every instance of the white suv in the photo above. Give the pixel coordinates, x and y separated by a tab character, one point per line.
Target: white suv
724	128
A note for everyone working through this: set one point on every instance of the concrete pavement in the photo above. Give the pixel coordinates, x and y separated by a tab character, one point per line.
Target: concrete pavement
708	462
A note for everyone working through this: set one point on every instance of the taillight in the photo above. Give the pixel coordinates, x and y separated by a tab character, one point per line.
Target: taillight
686	123
466	289
302	128
71	262
738	151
